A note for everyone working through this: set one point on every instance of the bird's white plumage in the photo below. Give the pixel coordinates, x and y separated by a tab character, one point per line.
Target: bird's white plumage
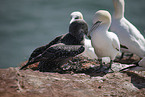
89	50
76	15
128	34
105	43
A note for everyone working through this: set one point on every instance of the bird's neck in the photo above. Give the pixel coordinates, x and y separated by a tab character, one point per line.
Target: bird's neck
79	39
101	30
118	9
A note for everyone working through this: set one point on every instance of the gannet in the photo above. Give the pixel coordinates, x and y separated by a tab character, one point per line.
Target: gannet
61	49
128	34
75	15
105	43
89	50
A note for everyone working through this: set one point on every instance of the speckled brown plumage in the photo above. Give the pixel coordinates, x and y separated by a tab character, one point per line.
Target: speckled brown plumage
61	49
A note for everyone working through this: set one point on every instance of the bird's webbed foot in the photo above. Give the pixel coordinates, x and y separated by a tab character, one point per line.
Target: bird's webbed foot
103	68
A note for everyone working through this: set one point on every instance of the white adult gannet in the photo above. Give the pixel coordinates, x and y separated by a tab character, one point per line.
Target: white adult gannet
105	43
89	50
75	15
128	34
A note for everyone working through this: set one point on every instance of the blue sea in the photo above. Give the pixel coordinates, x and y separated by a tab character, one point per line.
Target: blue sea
28	24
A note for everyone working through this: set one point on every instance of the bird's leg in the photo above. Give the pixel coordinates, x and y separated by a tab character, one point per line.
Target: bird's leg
110	64
101	65
121	56
109	68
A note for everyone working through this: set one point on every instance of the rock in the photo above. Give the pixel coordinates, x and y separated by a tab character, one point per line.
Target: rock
139	67
142	62
77	78
129	86
29	83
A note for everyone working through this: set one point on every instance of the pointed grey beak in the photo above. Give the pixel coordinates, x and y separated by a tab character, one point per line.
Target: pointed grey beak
72	20
94	27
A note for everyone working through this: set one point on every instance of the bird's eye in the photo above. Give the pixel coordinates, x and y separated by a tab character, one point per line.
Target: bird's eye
98	22
76	17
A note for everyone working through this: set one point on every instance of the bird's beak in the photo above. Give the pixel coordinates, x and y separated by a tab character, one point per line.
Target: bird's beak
72	20
95	26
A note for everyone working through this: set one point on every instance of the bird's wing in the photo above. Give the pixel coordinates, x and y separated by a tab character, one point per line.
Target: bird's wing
134	33
57	51
62	51
115	42
38	51
41	49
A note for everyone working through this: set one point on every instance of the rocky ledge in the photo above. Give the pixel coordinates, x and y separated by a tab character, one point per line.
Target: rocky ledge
81	83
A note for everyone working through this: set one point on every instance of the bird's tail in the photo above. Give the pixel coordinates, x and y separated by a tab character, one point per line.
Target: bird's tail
23	67
32	61
123	46
27	64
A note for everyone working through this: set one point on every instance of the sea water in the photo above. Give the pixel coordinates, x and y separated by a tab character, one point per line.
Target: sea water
28	24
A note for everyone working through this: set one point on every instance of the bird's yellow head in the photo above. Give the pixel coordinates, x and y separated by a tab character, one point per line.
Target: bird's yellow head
76	15
102	16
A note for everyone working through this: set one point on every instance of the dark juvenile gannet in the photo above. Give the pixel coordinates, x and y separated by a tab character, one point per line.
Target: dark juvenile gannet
61	49
105	43
89	50
128	34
